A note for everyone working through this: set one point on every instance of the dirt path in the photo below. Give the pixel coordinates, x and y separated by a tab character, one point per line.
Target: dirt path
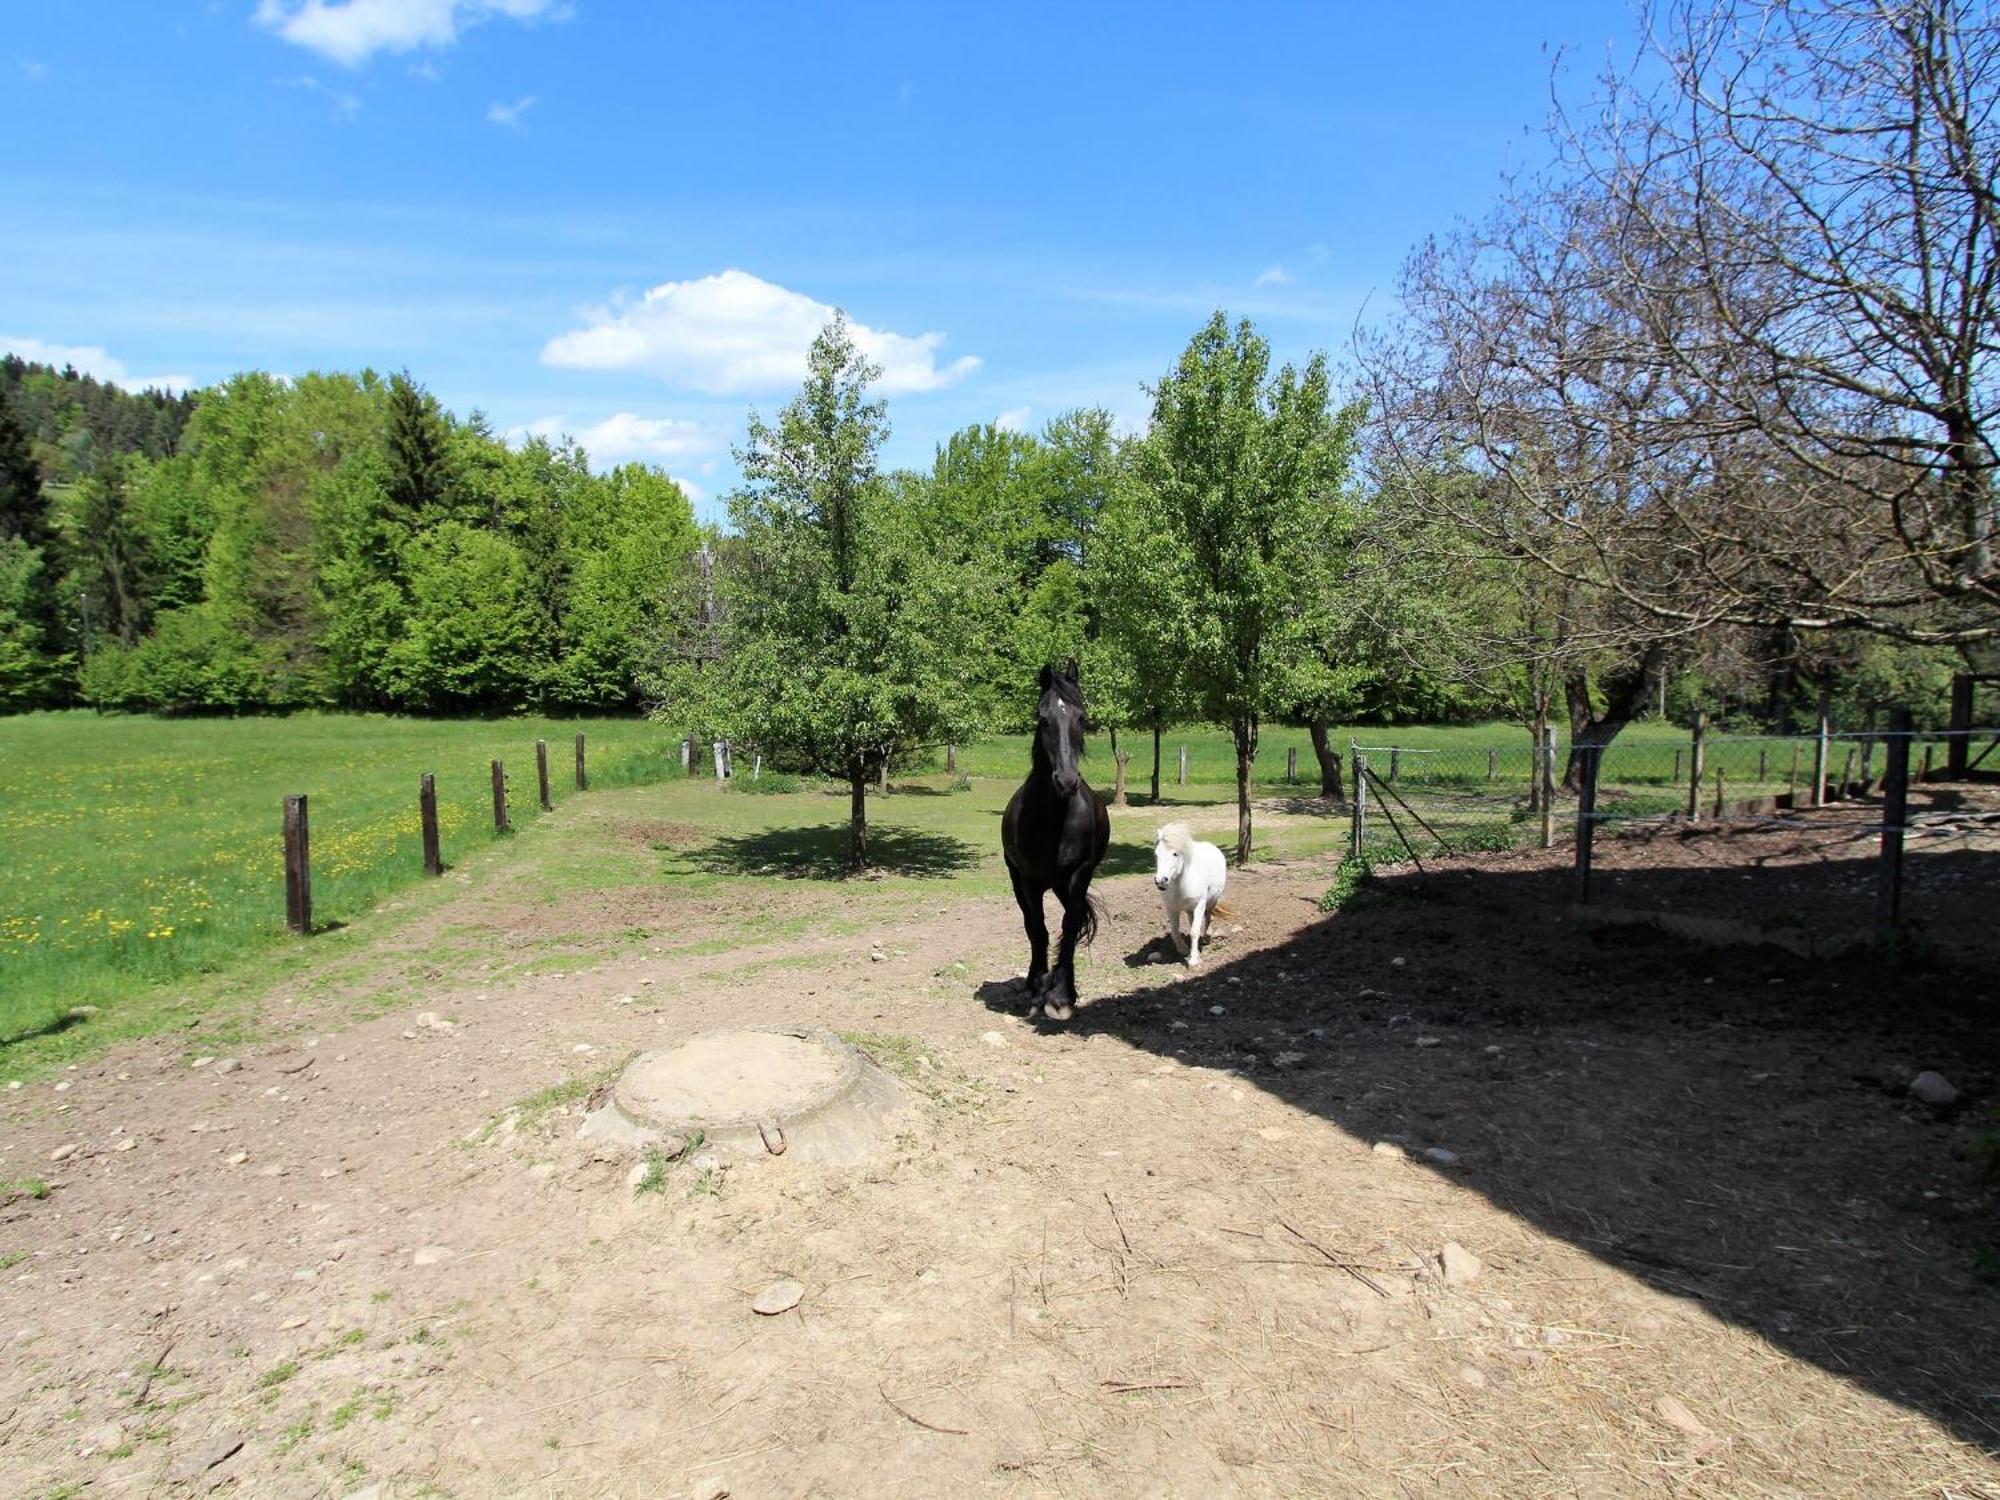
1187	1246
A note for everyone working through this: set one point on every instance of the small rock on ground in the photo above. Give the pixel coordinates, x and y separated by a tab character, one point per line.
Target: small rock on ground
229	1065
1934	1089
779	1296
1460	1264
431	1255
1389	1149
1444	1156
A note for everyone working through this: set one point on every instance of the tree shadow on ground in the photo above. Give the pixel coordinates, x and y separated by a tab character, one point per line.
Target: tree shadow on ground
1728	1125
822	853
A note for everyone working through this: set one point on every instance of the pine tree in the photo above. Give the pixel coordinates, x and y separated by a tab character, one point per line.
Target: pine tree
421	481
24	509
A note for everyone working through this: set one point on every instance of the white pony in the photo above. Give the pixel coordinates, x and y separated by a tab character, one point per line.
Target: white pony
1190	875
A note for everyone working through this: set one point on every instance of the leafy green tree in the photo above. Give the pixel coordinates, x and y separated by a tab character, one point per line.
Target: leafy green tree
843	631
622	599
1249	468
468	642
1143	597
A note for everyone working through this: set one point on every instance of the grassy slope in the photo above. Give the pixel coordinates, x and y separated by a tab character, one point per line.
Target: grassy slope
141	852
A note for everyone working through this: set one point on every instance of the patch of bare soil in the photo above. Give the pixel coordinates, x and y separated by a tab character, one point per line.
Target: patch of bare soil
1440	1195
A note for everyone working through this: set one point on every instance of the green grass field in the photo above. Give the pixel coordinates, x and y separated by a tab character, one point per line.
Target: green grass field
143	855
142	852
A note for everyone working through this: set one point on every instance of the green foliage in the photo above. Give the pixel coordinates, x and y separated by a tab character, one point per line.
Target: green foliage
842	631
1248	470
1350	884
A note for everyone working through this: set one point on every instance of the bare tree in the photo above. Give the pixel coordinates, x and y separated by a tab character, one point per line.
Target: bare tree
1822	179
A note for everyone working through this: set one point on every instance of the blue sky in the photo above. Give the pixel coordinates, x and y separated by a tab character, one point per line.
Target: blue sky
623	219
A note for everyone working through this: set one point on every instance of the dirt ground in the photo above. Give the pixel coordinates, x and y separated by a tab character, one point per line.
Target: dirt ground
1188	1245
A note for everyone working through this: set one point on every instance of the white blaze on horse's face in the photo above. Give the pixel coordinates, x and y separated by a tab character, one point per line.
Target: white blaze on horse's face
1166	865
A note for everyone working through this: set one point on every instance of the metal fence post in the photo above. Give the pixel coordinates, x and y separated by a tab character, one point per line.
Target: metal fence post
1357	824
1822	748
1895	808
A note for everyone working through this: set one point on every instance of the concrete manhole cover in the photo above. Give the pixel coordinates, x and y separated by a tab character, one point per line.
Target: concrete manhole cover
754	1092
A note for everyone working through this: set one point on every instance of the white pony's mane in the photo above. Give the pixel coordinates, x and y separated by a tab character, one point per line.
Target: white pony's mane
1179	838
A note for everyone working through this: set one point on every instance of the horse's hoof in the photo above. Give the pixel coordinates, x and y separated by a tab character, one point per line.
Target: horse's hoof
1058	1010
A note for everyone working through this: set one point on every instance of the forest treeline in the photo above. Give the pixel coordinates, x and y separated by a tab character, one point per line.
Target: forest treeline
334	540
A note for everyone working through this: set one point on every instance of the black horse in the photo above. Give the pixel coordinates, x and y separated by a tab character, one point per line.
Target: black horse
1054	834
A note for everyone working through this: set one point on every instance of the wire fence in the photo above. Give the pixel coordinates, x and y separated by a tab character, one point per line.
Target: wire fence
1813	842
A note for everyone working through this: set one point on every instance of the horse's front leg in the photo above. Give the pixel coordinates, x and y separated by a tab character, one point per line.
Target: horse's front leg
1197	928
1174	924
1030	902
1059	997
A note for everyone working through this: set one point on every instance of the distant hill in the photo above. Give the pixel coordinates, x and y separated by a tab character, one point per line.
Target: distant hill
71	417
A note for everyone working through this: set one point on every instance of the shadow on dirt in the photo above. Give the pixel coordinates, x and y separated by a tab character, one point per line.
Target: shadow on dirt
1731	1126
821	853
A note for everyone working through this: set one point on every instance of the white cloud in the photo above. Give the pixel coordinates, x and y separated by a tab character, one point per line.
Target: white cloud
345	106
1318	254
91	359
1013	421
1274	276
425	69
36	71
625	437
351	31
736	333
509	115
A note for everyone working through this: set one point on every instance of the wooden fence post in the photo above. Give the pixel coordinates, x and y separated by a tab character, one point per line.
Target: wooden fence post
1492	764
951	760
1677	765
1956	748
687	756
1895	809
1822	747
1927	763
1763	765
298	867
582	780
1183	780
1695	759
427	815
715	749
757	766
1719	796
542	772
1792	789
1292	765
1590	757
1395	763
1847	772
1546	774
500	798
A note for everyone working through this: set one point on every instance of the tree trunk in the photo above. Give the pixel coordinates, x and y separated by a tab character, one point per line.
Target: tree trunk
857	786
1246	752
1329	763
1156	762
1625	695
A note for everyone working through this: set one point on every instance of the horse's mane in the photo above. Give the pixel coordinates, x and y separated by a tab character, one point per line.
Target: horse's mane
1179	838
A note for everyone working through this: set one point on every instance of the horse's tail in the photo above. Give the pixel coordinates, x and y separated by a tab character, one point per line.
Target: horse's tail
1092	910
1220	907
